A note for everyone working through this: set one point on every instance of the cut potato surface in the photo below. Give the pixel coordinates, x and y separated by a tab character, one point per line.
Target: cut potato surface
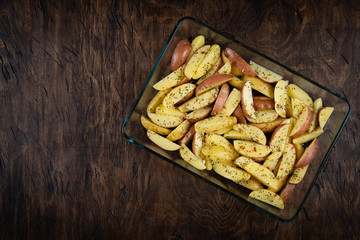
251	149
195	61
230	171
162	142
153	127
264	73
177	94
170	80
190	158
165	121
268	197
214	123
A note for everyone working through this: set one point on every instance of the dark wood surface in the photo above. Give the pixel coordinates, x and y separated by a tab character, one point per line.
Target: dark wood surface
70	72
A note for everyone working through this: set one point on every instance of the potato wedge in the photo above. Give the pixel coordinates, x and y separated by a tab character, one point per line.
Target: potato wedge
198	143
230	171
211	82
254	133
238	113
217	154
264	116
212	71
278	138
317	106
251	184
287	192
258	171
225	69
170	80
324	115
272	160
211	57
268	127
190	158
171	111
259	85
288	107
287	162
221	130
198	114
247	103
299	150
268	197
202	100
197	43
251	149
165	121
237	83
179	131
195	61
157	100
298	175
214	123
216	140
233	69
178	94
236	135
149	125
180	54
221	99
162	142
265	74
231	103
296	107
280	94
308	136
188	136
303	122
239	62
296	92
263	103
308	155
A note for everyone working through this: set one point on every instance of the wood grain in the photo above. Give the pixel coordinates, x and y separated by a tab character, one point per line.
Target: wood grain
70	72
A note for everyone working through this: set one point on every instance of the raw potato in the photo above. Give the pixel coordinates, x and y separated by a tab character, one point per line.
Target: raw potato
179	131
190	158
288	161
165	121
153	127
171	111
272	160
237	83
211	82
263	103
247	103
295	92
251	149
235	135
278	138
268	197
231	103
258	171
178	94
324	115
259	85
288	107
251	184
264	116
218	154
214	123
198	114
264	73
195	61
296	107
309	154
198	143
238	113
212	71
302	124
230	171
225	69
268	127
170	80
208	62
202	100
216	140
221	130
180	54
286	192
309	136
197	43
240	63
156	101
298	175
162	142
221	99
317	106
251	132
188	136
233	69
280	94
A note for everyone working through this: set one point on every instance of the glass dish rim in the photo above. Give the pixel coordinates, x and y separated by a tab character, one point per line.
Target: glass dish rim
231	38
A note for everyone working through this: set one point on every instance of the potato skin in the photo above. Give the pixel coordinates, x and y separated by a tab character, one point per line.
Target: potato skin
309	154
180	54
287	191
221	99
263	103
238	113
240	63
188	136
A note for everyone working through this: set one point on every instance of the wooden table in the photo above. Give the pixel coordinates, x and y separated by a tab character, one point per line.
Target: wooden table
70	72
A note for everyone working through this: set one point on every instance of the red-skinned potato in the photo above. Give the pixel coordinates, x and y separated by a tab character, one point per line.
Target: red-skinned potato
302	124
188	136
240	63
238	113
309	154
180	54
263	103
247	102
221	99
198	114
212	82
287	191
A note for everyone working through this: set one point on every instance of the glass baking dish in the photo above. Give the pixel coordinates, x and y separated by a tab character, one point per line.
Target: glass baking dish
189	28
